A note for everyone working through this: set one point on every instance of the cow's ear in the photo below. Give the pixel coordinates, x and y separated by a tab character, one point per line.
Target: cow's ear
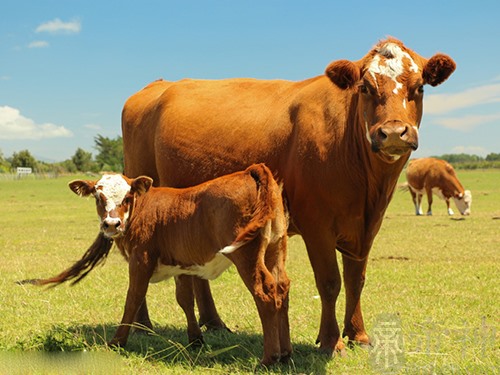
344	73
82	188
141	185
437	69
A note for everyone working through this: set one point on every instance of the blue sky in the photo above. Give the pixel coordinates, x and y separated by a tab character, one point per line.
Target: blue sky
67	67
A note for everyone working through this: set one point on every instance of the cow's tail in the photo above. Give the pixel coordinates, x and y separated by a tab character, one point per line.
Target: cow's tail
268	199
94	256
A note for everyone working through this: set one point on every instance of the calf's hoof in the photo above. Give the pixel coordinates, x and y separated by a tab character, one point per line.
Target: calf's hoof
196	342
214	325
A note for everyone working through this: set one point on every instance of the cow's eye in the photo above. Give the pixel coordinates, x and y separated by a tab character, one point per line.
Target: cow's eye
420	89
363	89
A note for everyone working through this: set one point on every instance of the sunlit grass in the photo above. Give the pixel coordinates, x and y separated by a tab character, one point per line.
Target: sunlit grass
437	274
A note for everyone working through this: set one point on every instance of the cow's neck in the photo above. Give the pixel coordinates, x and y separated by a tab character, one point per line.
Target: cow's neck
372	176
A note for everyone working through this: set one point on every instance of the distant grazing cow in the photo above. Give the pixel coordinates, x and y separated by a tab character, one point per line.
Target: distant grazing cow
338	141
435	176
202	230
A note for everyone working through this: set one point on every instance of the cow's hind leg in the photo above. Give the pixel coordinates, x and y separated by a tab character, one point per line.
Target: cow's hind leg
429	200
354	280
209	317
185	297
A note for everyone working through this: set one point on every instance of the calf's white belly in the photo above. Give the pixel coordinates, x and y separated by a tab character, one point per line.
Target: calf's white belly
209	271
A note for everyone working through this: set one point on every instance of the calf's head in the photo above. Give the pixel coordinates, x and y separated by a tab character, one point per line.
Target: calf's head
115	197
388	84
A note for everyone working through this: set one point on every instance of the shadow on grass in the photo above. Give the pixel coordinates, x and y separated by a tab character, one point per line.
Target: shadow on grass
168	345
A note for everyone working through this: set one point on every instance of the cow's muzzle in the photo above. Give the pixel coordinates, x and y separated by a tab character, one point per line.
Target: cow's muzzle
394	138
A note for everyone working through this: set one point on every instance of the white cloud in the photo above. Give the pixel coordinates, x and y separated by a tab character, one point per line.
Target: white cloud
56	26
38	44
443	103
15	126
466	123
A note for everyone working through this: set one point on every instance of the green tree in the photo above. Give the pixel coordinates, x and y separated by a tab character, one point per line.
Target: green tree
110	153
82	160
493	157
23	159
4	164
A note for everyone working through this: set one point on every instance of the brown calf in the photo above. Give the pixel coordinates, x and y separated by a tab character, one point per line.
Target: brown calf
164	232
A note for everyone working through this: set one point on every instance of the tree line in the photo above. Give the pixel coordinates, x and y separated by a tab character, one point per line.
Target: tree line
109	158
467	161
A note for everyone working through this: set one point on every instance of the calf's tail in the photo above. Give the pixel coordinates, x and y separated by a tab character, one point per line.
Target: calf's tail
94	256
268	198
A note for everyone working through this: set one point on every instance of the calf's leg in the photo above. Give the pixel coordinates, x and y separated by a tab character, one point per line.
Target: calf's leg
263	286
142	318
139	275
185	298
209	317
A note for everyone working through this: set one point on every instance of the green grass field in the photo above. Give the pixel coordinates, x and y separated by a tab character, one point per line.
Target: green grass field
435	278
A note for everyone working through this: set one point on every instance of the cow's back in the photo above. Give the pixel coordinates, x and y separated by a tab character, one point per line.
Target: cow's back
431	173
190	131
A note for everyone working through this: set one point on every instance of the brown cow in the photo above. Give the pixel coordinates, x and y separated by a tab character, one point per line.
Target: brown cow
201	231
338	141
430	175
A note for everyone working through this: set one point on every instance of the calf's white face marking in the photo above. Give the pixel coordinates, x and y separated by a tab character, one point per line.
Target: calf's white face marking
114	188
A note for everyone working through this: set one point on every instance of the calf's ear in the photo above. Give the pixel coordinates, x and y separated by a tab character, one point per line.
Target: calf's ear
141	185
82	188
344	73
438	68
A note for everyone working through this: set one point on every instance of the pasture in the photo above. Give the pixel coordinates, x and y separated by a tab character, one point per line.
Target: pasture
432	280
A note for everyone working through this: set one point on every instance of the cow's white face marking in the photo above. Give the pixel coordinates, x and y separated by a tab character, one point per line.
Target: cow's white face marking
393	66
114	188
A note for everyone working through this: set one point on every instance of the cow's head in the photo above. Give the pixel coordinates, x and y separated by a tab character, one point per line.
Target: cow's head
463	201
389	83
115	196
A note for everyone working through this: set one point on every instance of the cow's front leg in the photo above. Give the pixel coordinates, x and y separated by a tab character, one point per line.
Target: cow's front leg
185	299
328	281
209	316
139	276
354	280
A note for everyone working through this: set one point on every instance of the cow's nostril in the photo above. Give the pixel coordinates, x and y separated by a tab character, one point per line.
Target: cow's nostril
405	130
117	224
105	225
382	134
